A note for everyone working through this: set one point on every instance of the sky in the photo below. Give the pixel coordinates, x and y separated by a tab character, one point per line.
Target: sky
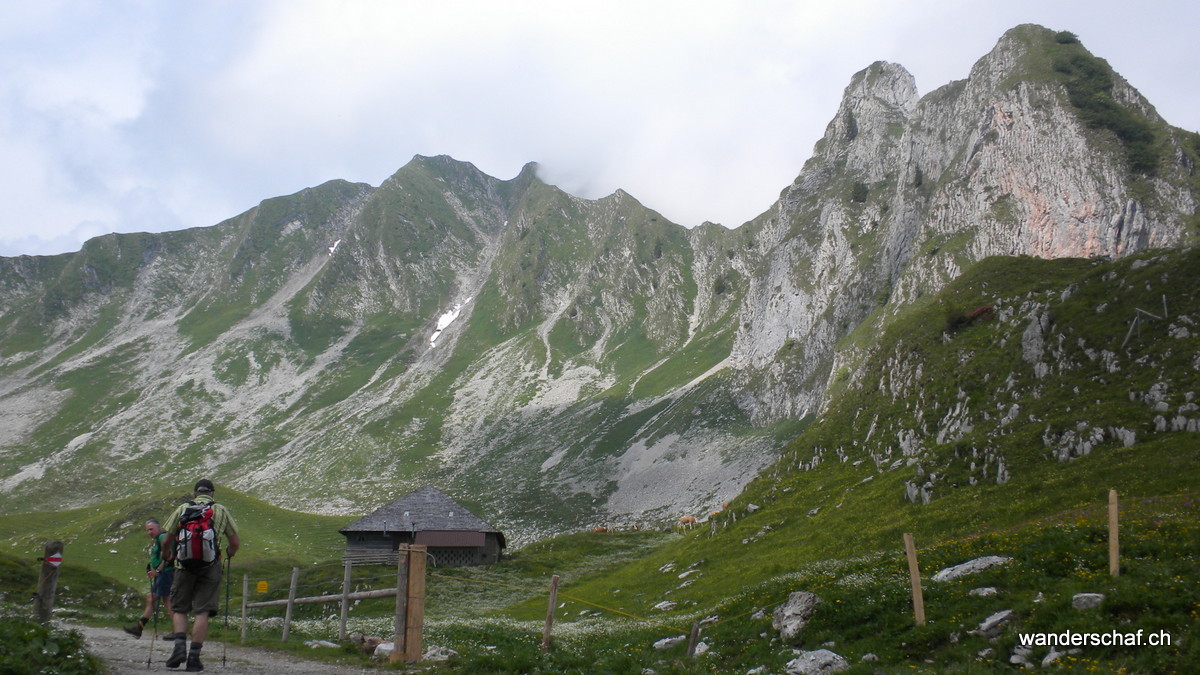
156	115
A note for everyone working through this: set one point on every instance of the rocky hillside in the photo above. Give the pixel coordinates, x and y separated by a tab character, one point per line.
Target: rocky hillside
559	361
1042	151
1021	367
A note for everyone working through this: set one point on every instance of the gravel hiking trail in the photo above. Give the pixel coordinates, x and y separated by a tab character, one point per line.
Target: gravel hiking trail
125	655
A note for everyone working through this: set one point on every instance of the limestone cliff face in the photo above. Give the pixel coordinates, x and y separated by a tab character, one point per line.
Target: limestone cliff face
903	192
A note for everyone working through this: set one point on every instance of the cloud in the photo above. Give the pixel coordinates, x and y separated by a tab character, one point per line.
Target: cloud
140	115
61	132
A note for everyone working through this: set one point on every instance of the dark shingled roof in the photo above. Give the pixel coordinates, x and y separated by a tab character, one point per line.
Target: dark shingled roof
425	509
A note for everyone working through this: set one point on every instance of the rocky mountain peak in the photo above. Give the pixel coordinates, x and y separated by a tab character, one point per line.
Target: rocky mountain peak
1042	151
888	85
1015	48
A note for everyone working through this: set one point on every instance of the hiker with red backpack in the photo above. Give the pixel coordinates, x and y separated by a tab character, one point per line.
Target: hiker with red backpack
194	531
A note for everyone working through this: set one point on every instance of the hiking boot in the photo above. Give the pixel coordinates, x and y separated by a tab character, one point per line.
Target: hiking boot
134	629
179	656
193	663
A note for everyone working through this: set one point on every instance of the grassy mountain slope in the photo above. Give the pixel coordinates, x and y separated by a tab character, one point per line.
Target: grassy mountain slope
108	537
292	349
829	516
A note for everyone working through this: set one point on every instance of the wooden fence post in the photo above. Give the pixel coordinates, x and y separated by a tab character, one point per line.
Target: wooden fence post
245	602
345	602
914	573
401	625
550	613
48	583
1114	546
692	638
287	618
414	640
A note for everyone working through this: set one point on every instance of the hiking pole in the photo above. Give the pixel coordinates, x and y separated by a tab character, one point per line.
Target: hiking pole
225	641
154	602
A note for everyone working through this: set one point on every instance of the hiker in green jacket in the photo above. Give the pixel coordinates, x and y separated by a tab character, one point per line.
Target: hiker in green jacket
194	532
161	574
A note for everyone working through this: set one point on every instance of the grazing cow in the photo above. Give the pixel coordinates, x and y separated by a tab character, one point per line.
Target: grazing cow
687	522
599	530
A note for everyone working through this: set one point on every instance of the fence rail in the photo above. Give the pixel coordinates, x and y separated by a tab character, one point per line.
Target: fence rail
321	599
410	602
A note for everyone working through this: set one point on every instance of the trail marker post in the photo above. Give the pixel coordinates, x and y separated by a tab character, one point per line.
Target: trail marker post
48	582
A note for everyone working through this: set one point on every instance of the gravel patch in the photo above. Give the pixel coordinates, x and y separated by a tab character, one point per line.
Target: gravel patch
125	655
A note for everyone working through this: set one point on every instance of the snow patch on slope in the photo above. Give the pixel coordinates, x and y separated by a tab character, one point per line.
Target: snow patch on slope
445	320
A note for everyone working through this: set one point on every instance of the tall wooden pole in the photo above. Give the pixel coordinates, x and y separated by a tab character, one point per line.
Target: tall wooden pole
1114	545
401	625
48	582
245	603
914	573
414	641
550	612
287	618
345	616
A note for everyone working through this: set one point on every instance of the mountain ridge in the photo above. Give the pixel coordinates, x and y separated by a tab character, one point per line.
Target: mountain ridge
597	362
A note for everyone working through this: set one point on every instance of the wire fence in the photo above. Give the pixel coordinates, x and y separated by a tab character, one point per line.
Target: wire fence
366	586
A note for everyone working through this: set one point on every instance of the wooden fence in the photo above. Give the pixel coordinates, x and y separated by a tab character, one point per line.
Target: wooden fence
409	593
1114	556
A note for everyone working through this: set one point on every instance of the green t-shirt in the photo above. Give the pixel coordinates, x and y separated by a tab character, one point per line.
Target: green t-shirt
156	559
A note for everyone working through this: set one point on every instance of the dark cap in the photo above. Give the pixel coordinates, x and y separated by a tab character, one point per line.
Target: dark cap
204	485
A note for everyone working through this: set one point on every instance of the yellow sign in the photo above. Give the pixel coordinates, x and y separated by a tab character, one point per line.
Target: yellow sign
262	587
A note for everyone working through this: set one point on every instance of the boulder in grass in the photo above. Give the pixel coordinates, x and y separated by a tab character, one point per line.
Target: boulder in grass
792	616
971	567
435	653
816	662
667	643
994	625
1087	600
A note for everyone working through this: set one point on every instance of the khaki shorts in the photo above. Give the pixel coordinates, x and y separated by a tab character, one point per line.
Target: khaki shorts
197	591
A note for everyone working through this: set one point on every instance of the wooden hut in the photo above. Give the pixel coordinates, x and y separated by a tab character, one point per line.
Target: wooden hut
454	536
